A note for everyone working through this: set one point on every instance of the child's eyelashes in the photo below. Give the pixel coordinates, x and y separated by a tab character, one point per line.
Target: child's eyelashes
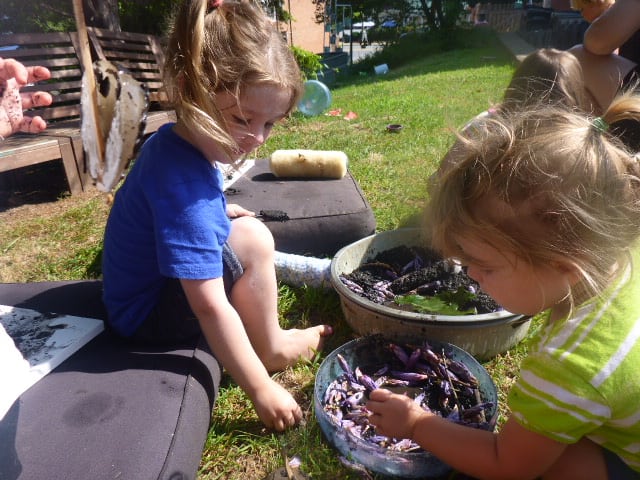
241	121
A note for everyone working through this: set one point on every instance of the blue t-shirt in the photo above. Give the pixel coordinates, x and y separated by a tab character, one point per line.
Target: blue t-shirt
168	220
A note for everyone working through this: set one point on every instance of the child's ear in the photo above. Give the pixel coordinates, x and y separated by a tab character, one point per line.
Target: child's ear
567	269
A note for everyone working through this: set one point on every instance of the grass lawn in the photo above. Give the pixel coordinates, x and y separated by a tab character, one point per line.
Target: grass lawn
430	95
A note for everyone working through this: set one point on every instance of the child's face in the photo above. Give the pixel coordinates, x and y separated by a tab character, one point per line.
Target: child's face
512	282
251	119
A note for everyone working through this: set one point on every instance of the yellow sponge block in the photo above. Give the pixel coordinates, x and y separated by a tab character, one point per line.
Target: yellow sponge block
309	163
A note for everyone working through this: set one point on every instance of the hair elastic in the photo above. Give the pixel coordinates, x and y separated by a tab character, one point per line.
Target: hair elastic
213	4
600	124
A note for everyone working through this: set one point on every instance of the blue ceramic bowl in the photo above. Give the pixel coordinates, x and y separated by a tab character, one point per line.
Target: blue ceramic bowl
370	353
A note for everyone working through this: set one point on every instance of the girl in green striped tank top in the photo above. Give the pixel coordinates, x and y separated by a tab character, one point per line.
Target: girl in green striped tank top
543	208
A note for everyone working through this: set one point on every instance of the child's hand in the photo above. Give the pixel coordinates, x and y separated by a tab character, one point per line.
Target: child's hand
234	210
276	407
394	415
13	76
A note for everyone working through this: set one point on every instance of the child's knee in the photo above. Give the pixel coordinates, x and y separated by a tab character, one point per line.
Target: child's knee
248	234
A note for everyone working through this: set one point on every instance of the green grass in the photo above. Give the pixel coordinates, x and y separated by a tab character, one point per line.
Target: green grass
430	94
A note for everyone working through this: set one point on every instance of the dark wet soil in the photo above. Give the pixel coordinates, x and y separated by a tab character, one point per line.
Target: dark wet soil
414	270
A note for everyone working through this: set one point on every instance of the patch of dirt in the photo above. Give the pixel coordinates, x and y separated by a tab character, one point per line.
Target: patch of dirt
38	191
412	270
33	185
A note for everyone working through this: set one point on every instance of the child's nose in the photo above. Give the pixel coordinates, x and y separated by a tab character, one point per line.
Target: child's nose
474	273
259	135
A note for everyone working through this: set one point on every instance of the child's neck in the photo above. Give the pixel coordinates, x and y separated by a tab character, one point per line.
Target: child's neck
581	294
196	140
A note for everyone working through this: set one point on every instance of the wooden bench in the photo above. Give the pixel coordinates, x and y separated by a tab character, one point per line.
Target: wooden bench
61	141
140	54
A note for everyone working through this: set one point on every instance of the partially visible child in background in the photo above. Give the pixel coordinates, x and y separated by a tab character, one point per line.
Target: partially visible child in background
591	9
605	76
542	206
175	265
546	75
615	27
574	78
13	76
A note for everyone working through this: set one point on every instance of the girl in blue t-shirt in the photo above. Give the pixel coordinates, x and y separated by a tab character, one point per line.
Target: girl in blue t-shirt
174	264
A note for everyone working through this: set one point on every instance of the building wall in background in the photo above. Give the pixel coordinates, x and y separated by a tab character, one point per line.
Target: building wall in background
304	32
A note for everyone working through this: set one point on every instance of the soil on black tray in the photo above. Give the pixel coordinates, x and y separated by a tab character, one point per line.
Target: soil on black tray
414	270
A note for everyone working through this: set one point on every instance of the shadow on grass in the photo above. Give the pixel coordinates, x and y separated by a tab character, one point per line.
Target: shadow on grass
31	185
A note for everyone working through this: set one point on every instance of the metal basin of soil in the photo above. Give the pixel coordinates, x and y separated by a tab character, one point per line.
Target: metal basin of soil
482	335
369	354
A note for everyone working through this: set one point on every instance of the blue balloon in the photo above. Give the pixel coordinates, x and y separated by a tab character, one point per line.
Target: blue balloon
315	99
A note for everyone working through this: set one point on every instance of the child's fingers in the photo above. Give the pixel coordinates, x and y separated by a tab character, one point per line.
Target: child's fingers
35	99
380	395
37	73
16	70
32	125
10	68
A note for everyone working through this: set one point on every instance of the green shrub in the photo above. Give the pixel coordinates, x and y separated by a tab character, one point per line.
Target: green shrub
310	63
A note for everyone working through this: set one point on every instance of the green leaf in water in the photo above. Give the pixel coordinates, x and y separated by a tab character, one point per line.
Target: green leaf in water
445	303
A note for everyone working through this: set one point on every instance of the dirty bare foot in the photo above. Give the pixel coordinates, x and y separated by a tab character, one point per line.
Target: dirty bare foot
296	345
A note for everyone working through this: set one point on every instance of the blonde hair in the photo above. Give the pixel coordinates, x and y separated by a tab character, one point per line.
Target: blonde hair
573	190
550	75
224	48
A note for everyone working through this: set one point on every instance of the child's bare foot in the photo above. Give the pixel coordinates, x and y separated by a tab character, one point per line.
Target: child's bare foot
296	345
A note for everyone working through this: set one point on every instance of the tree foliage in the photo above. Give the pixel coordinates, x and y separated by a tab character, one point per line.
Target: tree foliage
143	16
442	14
437	14
18	16
151	16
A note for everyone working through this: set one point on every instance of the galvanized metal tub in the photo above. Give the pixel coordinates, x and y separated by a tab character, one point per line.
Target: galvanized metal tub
483	336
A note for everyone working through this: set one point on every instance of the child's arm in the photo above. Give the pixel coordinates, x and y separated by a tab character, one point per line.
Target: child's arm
613	28
228	340
513	453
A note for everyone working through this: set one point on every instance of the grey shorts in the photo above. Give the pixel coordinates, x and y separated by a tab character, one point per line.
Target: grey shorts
172	321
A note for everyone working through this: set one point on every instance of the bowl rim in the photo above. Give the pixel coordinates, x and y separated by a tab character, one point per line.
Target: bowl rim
498	317
323	419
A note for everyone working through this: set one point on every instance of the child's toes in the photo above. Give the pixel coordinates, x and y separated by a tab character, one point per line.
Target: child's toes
325	330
